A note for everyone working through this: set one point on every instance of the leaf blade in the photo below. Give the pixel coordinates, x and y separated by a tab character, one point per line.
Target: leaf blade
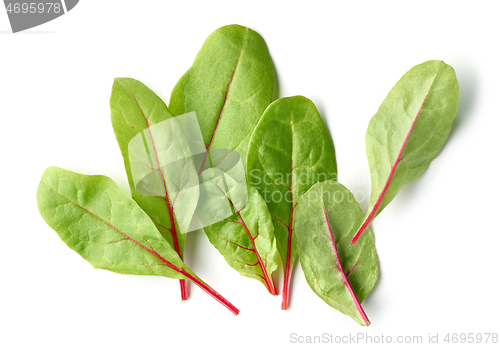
134	110
108	229
327	217
408	131
247	242
289	143
229	85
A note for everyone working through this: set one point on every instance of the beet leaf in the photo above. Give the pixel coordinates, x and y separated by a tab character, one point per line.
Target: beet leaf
290	150
95	218
408	131
229	85
135	110
327	216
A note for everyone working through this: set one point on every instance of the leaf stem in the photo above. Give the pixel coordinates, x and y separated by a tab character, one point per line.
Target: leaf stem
184	293
288	268
286	284
210	291
192	278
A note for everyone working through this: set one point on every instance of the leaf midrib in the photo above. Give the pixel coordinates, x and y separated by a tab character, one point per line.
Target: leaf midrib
223	108
268	281
392	171
173	229
340	268
127	237
288	262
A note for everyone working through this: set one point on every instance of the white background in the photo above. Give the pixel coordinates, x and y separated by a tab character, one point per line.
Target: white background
437	241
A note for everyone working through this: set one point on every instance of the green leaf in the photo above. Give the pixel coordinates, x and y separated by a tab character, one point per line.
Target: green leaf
246	239
229	86
290	150
108	229
135	110
408	131
327	216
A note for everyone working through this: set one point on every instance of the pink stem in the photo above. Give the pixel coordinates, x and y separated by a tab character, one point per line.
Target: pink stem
286	281
211	292
184	294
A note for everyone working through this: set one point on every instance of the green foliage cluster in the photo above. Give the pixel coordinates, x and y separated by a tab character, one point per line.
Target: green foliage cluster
295	209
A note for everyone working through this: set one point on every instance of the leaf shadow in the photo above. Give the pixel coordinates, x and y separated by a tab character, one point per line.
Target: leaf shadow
322	112
372	303
278	275
276	91
122	183
193	242
467	98
190	253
